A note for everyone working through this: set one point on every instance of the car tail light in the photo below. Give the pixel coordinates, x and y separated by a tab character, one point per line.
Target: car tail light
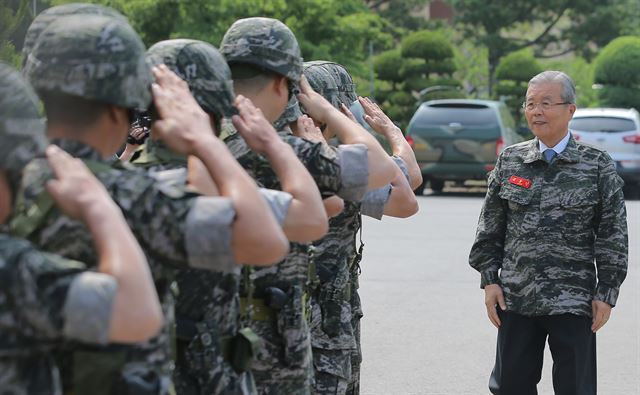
499	145
411	142
633	139
576	136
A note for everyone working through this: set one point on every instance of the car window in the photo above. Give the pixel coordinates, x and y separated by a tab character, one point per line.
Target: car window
464	114
602	124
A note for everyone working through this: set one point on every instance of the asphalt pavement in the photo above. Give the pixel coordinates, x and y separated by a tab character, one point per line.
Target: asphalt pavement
425	329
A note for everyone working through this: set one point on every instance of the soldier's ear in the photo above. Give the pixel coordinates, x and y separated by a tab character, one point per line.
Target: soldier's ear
281	85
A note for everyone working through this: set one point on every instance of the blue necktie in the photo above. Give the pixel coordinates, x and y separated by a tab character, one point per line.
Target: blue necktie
549	154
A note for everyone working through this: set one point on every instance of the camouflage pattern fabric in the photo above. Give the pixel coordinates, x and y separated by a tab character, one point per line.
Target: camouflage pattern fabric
176	229
46	17
94	57
543	225
291	114
203	68
33	289
266	43
209	302
322	81
21	127
284	365
346	86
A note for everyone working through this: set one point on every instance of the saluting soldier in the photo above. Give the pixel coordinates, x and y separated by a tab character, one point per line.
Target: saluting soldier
91	73
45	299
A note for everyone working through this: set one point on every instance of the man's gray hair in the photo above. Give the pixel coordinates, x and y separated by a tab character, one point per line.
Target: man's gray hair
568	88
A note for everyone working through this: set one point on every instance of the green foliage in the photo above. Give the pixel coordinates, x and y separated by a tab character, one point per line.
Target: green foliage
518	66
619	96
9	55
619	62
426	44
616	67
513	74
424	59
550	27
582	74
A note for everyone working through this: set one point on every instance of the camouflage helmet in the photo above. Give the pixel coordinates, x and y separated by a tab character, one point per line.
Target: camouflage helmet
44	19
93	57
346	87
266	43
291	114
322	81
203	68
22	135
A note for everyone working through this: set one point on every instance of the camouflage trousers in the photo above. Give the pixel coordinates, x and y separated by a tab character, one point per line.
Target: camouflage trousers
332	370
201	369
283	365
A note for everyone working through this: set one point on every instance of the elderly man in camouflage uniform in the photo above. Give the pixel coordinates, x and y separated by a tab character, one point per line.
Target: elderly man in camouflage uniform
46	299
95	65
212	353
266	65
335	307
551	247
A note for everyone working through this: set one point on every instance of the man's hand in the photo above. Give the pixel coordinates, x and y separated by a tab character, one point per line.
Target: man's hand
75	190
183	125
306	129
601	313
254	128
317	106
376	118
493	297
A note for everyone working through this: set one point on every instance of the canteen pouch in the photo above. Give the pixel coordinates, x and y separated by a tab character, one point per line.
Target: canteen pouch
244	347
292	326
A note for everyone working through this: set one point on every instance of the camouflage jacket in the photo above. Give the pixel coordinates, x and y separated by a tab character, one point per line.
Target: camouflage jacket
44	300
175	228
337	256
342	171
208	303
543	226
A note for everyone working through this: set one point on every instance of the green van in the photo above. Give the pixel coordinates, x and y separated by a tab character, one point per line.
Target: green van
459	139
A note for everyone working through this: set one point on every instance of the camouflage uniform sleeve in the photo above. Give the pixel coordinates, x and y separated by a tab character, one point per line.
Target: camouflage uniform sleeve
208	234
611	244
374	200
176	226
354	171
41	287
278	201
87	310
488	248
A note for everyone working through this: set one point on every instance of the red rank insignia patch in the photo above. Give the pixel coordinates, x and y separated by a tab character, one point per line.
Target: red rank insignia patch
521	182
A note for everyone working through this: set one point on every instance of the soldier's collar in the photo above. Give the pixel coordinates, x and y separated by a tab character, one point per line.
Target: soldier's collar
570	154
79	149
532	153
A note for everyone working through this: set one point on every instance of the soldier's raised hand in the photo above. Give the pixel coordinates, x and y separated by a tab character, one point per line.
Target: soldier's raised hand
376	118
305	128
316	106
74	189
254	128
183	124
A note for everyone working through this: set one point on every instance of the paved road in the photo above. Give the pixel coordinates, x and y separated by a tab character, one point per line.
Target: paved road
425	329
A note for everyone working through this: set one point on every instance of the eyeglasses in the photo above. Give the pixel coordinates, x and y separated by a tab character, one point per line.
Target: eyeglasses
545	105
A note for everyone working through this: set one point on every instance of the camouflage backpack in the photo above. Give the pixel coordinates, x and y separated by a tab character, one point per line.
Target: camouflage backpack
93	57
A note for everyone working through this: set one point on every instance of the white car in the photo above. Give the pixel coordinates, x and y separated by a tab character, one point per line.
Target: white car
617	131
